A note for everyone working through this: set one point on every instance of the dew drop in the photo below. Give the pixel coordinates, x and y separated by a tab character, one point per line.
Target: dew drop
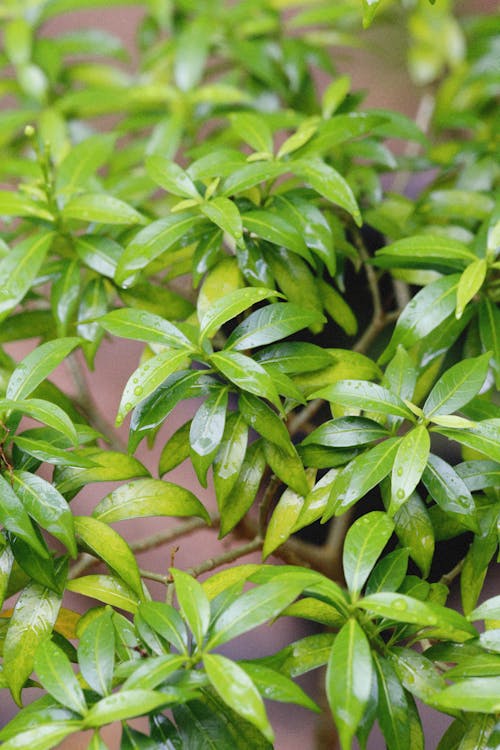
400	605
119	421
400	494
410	679
399	471
138	390
128	406
463	501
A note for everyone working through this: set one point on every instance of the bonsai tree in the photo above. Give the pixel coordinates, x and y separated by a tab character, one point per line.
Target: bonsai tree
259	235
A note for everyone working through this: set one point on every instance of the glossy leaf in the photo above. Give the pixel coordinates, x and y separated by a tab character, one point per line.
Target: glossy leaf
101	208
124	705
229	306
449	491
37	365
253	130
489	326
193	602
247	374
15	518
276	229
389	573
167	622
230	456
237	690
107	589
363	545
470	283
83	161
414	530
106	544
143	326
488	610
32	621
282	522
348	680
19	268
224	213
392	710
484	437
57	677
409	463
260	417
96	653
171	177
329	183
245	489
110	466
43	411
479	694
288	467
270	324
148	497
346	432
45	736
425	251
457	386
206	431
364	395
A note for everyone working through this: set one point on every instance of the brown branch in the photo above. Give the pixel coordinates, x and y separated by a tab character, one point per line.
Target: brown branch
449	577
170	535
226	557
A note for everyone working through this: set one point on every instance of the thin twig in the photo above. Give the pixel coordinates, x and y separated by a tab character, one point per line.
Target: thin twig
152	576
265	503
226	557
449	577
170	535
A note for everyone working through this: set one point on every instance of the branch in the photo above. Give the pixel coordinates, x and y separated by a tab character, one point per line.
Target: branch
226	557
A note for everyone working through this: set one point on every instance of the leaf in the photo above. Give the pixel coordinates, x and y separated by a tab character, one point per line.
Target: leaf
237	690
484	437
35	367
288	467
329	183
144	326
425	251
99	253
345	432
45	736
475	568
147	378
19	268
423	314
247	175
15	204
389	573
338	309
57	677
271	323
253	129
488	610
191	52
276	229
148	497
96	653
294	357
477	694
46	506
401	375
364	395
39	569
247	374
15	519
230	456
225	214
125	704
32	621
175	450
409	463
206	431
489	327
363	545
229	306
449	491
171	177
106	544
414	530
282	522
43	411
457	386
445	623
107	589
470	283
110	466
82	161
155	239
478	475
254	607
260	417
102	209
193	602
153	671
360	475
348	680
167	622
392	710
244	491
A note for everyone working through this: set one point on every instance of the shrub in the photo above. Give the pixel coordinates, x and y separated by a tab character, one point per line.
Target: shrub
255	233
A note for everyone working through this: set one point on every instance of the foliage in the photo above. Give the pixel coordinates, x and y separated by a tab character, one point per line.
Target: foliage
226	165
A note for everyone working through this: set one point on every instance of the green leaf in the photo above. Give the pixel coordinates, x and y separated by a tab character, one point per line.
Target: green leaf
409	463
475	568
363	545
39	569
276	229
489	327
110	466
83	161
423	314
206	431
260	417
32	621
457	386
102	209
479	474
470	283
96	653
282	522
414	530
43	411
229	306
19	268
155	239
154	670
364	395
360	475
99	253
147	378
46	506
273	685
401	375
253	129
148	497
57	677
348	680
107	589
237	690
171	177
144	326
345	432
191	52
449	491
294	357
484	437
175	450
37	365
271	323
425	251
167	622
445	623
481	694
106	544
244	491
225	214
43	737
254	607
287	466
15	204
125	704
247	175
193	602
488	610
329	183
15	519
392	710
247	374
338	309
230	456
389	573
